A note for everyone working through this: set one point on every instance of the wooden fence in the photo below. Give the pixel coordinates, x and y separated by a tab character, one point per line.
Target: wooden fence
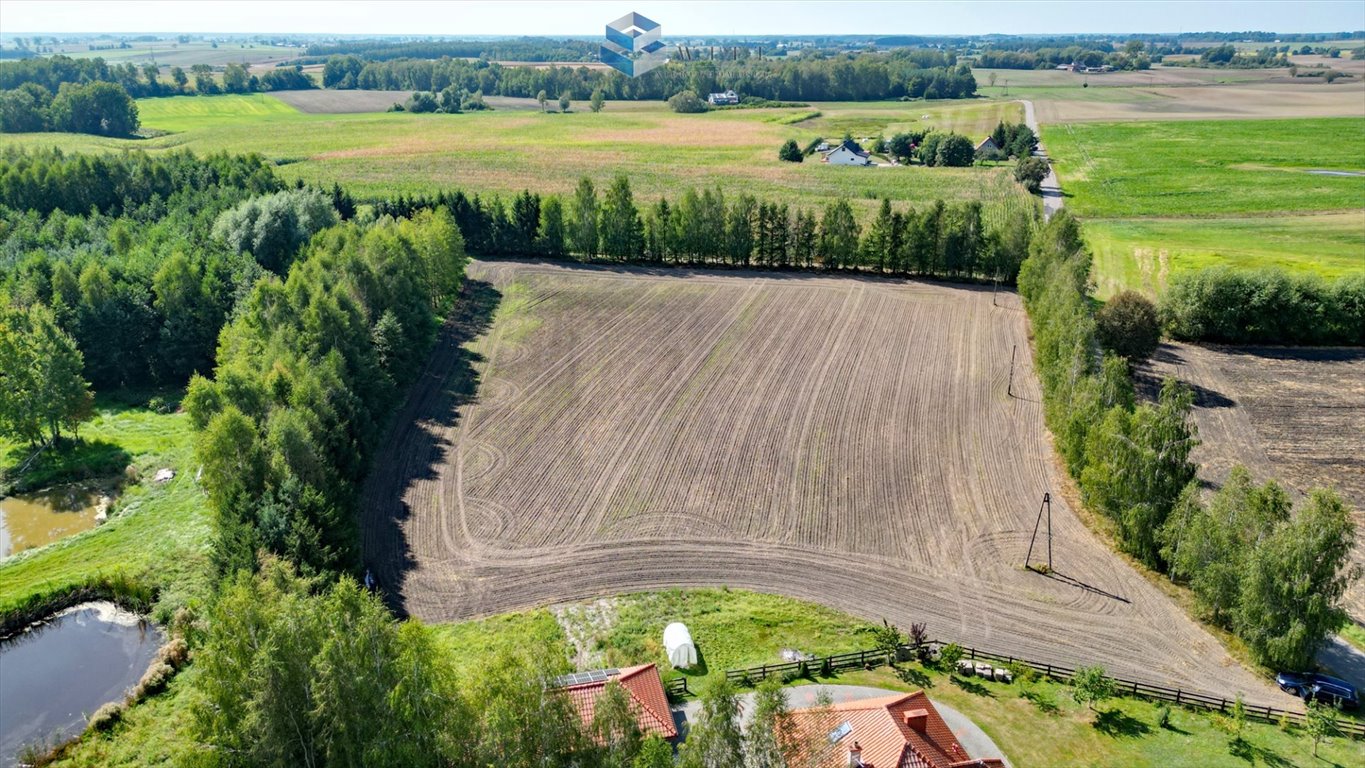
1124	687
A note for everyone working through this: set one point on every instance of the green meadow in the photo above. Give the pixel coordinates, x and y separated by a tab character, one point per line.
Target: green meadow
506	151
1144	254
1164	197
1209	168
158	533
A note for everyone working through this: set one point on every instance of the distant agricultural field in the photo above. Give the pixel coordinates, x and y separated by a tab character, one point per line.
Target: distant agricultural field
516	147
1162	197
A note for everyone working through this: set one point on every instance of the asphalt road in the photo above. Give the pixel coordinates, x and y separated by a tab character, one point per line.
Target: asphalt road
1051	187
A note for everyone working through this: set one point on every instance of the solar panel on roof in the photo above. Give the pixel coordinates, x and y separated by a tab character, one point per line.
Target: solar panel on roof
579	678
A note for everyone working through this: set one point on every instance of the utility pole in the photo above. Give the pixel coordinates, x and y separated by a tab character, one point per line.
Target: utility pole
1009	387
1028	558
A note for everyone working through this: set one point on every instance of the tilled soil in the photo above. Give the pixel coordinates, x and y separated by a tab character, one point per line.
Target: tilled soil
843	440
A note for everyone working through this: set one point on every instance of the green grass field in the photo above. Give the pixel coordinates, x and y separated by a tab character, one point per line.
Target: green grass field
506	151
1209	168
1160	198
158	533
1144	254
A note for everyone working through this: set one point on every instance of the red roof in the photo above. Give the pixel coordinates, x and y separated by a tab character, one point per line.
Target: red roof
647	698
897	731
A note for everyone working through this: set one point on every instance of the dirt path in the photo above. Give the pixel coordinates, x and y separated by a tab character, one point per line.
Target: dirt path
846	441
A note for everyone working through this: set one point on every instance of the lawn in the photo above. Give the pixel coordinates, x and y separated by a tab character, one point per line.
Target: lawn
506	151
732	628
156	532
1059	733
1209	168
1143	254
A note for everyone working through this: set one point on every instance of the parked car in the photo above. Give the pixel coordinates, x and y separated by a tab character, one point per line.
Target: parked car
1320	688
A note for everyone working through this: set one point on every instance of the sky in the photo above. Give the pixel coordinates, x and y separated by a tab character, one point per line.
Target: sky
704	17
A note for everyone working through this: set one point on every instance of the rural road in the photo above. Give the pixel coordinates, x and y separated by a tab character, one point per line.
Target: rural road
968	733
1051	187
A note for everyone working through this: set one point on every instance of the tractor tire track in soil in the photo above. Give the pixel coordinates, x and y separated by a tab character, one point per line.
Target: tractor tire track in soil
843	440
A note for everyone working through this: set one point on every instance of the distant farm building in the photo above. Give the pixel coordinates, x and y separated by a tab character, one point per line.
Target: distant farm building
642	686
848	153
723	98
889	732
987	146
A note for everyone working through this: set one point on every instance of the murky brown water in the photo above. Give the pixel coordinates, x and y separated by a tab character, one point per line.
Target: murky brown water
30	520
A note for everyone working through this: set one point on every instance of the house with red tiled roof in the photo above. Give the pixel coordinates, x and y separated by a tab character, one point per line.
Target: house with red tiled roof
643	687
898	731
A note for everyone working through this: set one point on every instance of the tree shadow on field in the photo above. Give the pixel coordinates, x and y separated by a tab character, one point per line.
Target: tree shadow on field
415	446
1117	723
1244	750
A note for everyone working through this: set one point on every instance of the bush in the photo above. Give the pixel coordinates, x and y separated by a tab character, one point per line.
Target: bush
1127	324
686	102
949	656
153	681
106	717
1030	171
955	151
790	152
1163	717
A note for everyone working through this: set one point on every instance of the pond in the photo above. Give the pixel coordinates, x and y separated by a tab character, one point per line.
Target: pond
54	676
30	520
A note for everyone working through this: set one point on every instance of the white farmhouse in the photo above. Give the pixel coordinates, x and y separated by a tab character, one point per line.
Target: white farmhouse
848	153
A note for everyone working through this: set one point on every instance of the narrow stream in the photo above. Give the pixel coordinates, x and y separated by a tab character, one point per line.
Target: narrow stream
53	677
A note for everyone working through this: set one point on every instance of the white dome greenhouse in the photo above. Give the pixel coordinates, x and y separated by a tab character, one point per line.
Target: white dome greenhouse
678	642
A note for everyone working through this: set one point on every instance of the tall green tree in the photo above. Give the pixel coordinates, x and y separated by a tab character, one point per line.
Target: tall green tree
620	226
615	728
551	241
598	100
770	735
715	740
839	236
41	384
1290	597
583	234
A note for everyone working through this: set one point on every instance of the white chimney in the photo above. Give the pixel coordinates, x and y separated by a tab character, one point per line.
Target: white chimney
855	756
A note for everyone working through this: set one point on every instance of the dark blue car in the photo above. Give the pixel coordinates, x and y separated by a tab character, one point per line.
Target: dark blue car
1323	689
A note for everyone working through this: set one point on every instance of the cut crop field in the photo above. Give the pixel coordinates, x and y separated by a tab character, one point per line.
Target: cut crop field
513	148
1295	415
583	432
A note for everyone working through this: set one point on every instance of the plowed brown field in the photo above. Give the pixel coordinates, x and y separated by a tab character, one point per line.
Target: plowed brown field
847	441
1296	415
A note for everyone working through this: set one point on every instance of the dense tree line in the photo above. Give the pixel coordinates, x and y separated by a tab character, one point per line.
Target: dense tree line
1133	56
27	88
704	228
104	109
1269	306
1131	461
525	49
1227	55
860	77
